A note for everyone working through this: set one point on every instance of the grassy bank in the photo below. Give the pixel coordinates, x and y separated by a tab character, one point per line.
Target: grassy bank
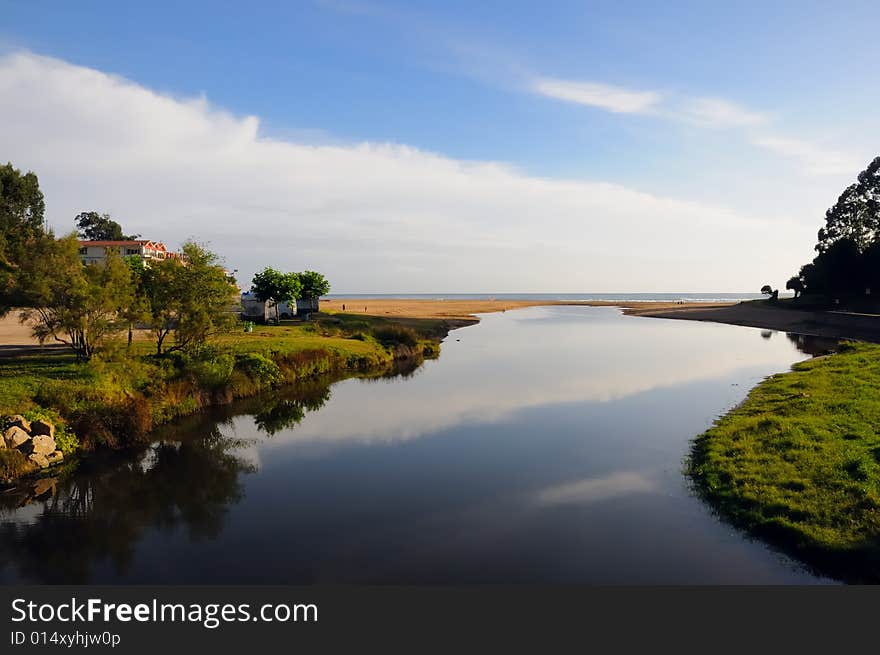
798	463
118	397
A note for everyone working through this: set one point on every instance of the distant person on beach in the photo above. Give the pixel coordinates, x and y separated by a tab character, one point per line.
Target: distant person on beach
343	306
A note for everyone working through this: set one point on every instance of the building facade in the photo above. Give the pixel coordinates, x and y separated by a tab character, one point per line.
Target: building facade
95	252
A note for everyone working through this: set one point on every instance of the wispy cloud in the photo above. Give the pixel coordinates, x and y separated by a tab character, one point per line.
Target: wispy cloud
719	113
604	96
814	159
703	112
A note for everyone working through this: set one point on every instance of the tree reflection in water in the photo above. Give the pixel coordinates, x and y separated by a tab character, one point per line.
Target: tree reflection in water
60	529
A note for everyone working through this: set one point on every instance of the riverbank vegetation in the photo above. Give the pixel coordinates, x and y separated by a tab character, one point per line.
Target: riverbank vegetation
798	463
106	388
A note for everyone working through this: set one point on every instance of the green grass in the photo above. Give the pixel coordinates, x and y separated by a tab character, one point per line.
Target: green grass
798	462
119	396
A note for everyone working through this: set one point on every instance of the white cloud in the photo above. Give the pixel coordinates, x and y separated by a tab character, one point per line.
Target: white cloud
603	96
718	113
814	159
374	217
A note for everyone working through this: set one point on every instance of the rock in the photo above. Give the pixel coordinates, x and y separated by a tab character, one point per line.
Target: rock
39	460
15	436
43	445
42	427
55	456
21	422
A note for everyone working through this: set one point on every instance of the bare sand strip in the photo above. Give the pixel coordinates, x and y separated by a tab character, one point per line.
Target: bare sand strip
465	310
835	325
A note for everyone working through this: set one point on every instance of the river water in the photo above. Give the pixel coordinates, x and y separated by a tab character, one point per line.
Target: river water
545	445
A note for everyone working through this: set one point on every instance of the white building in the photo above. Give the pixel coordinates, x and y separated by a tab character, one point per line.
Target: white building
94	252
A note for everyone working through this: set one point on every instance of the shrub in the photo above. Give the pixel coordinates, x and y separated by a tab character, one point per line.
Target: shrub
393	335
210	368
13	464
259	368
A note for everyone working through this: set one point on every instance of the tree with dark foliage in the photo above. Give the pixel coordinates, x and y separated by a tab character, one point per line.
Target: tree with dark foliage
93	226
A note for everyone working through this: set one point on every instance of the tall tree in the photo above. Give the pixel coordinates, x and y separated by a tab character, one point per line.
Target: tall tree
270	284
314	285
21	230
73	304
93	226
189	300
856	214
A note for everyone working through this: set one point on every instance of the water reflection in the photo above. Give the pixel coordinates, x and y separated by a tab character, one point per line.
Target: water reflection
98	515
544	445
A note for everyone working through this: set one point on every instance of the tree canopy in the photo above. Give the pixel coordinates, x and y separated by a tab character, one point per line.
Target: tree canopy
190	301
73	304
21	230
270	284
848	259
314	285
93	226
856	214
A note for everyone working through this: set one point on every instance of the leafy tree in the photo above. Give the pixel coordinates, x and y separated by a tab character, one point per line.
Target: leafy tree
856	214
138	311
74	304
767	290
100	227
21	231
189	299
270	284
795	284
314	285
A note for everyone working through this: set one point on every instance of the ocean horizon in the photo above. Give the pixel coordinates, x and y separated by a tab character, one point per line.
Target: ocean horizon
585	297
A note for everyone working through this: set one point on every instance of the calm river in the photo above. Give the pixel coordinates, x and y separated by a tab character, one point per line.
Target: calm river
544	445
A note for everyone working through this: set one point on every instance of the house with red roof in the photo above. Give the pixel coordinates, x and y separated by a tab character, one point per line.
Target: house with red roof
95	252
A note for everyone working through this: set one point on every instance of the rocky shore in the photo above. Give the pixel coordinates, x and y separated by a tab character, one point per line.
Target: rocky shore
33	439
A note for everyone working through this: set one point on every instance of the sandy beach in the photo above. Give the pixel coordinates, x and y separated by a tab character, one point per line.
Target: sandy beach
467	309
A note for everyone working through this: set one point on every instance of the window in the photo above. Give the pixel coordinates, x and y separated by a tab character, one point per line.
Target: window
132	251
83	251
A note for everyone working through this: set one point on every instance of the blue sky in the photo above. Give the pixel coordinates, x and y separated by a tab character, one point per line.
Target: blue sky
761	112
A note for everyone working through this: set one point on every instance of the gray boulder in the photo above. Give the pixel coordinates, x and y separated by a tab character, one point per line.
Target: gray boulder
42	427
43	444
39	460
21	422
15	437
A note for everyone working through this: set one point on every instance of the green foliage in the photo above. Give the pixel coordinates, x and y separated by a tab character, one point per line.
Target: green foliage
856	214
259	368
848	260
212	371
314	285
21	231
270	284
100	227
799	460
190	301
393	335
74	304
